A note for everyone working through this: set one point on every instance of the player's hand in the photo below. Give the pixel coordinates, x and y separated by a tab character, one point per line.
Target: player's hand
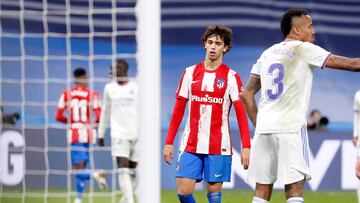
245	156
357	168
168	153
101	142
355	140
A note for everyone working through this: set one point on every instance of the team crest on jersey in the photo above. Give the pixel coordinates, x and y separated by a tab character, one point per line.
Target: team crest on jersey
220	83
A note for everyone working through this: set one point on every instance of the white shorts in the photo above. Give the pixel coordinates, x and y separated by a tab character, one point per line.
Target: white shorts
279	156
124	148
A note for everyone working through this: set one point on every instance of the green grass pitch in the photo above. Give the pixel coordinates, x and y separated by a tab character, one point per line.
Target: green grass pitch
169	196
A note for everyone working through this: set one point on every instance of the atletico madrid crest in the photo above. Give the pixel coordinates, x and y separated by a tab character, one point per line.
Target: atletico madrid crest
220	83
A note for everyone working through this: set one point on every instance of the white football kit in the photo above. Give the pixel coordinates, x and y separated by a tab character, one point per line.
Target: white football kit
121	107
356	132
280	146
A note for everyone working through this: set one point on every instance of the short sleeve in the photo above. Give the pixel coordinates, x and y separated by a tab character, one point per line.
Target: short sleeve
62	101
255	71
183	88
235	86
313	54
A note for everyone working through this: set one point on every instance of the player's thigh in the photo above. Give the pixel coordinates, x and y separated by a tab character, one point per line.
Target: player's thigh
79	155
217	168
190	165
263	159
294	156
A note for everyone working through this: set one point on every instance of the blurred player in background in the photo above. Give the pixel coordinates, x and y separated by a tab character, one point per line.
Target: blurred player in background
82	105
211	87
356	138
121	108
284	72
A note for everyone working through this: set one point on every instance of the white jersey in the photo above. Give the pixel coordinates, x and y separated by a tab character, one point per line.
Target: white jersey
286	73
357	114
120	105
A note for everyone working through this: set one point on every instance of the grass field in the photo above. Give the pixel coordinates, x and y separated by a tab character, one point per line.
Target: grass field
169	196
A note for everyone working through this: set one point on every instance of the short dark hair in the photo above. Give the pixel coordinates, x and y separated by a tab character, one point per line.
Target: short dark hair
286	20
78	72
224	32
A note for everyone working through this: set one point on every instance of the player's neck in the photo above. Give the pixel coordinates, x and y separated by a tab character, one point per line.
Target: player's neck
212	65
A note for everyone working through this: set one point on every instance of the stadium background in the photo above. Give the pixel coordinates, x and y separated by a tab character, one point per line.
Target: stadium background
255	25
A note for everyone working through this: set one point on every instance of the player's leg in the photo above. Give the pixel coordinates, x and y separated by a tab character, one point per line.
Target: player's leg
357	173
133	160
125	180
121	149
189	170
263	166
217	169
294	192
79	159
294	159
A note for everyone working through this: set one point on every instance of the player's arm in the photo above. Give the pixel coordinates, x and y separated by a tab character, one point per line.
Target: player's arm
357	167
343	63
97	107
176	118
59	115
104	118
253	85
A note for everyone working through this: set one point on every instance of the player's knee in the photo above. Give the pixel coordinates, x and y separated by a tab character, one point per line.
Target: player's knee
122	162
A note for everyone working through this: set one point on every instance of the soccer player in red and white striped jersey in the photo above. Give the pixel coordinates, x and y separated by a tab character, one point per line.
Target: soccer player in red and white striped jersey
210	88
82	105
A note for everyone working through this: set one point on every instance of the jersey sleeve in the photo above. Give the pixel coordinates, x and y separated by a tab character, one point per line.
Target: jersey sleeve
182	91
97	106
313	54
59	115
255	70
105	113
235	87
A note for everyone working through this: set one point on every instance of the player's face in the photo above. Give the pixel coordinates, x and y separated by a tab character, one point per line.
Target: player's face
215	47
307	32
82	80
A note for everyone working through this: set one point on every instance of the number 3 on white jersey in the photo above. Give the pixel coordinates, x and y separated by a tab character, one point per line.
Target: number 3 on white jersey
276	71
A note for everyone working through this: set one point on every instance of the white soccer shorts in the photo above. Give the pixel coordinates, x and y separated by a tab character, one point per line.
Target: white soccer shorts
124	148
279	156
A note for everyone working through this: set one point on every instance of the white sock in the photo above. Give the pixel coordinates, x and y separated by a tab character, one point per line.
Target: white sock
125	185
295	200
258	200
78	200
134	178
358	191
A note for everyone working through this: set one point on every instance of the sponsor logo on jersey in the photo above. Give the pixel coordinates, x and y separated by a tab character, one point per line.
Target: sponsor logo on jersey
207	98
220	83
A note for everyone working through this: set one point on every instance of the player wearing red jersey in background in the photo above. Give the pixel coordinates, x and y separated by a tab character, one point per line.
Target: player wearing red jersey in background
211	87
81	105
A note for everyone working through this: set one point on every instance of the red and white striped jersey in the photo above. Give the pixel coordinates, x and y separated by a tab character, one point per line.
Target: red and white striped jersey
82	105
210	95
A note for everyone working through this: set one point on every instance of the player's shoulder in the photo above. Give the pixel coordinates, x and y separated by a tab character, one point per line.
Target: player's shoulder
357	94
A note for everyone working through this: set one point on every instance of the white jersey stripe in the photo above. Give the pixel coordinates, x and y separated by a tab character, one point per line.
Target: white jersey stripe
204	129
208	82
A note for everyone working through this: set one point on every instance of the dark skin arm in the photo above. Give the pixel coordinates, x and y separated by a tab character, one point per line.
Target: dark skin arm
253	85
343	63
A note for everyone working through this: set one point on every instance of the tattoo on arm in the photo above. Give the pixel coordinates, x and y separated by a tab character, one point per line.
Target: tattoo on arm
248	97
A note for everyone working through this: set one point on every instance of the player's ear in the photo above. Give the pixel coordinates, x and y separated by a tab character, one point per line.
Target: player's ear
225	49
